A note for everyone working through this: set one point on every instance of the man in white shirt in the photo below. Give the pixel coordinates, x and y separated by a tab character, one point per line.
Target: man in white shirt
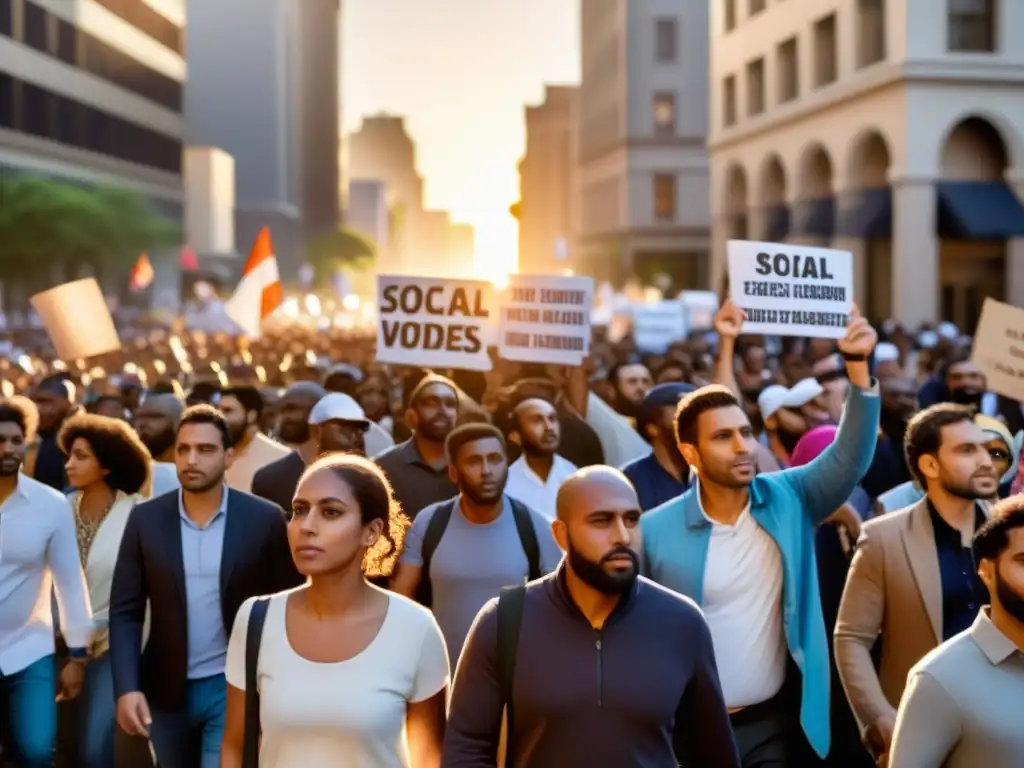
38	550
535	477
243	408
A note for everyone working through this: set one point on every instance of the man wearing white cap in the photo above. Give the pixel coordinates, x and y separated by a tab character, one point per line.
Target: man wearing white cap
788	414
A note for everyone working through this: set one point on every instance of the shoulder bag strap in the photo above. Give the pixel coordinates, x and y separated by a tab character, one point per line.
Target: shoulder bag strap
253	637
510	618
528	538
431	538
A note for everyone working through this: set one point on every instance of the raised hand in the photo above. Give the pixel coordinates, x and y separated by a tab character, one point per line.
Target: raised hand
860	339
729	320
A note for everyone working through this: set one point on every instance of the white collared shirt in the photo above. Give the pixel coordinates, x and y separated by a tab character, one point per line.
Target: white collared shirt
526	486
742	603
39	550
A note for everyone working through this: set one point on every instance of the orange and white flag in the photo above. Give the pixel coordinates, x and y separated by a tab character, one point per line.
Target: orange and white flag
259	291
142	274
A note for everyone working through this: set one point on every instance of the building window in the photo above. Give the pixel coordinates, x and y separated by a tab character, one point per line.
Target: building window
67	42
664	114
870	32
730	15
825	62
38	111
664	196
972	26
755	87
666	40
788	71
729	101
36	22
756	6
7	105
6	18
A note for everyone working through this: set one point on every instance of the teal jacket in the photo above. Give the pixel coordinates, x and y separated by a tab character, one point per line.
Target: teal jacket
788	505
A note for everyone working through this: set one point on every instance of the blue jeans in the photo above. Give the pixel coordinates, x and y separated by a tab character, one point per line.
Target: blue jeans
191	738
97	712
28	703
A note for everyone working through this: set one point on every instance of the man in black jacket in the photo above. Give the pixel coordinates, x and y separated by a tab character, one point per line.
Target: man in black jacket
607	668
194	556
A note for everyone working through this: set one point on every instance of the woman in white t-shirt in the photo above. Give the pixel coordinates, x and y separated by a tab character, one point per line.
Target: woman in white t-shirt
349	675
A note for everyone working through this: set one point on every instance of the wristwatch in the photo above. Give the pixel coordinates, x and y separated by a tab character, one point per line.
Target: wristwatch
79	654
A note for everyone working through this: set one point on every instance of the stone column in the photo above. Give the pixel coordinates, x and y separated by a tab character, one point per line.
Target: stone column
915	251
720	233
1015	249
858	247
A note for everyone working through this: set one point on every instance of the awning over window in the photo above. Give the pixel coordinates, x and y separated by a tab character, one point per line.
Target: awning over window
979	210
776	222
815	217
866	213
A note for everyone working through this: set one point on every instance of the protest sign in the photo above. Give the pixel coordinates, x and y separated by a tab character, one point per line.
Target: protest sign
546	319
77	318
791	290
658	325
435	322
999	348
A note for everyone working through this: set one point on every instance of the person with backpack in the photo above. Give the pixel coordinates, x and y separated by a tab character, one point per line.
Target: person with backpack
593	665
459	553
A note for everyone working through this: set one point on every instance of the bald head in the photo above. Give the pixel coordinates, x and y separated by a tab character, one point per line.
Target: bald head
594	489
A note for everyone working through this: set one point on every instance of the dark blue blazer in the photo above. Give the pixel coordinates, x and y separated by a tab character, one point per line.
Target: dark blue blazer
256	560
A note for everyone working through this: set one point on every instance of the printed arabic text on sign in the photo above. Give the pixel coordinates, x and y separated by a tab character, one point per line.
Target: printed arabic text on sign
435	322
546	319
999	348
791	290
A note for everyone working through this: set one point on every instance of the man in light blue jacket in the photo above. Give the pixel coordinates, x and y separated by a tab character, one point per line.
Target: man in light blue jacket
742	546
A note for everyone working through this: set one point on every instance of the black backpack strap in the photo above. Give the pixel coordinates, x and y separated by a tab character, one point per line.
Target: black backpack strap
528	538
431	538
253	637
511	602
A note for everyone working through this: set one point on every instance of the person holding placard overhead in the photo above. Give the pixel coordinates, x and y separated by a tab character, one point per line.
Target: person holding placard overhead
742	546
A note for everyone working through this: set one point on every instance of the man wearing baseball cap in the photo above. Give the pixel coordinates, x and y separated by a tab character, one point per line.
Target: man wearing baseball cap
788	414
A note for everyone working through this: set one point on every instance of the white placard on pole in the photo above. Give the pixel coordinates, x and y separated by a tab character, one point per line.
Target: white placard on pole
658	325
546	319
77	318
999	348
435	322
791	290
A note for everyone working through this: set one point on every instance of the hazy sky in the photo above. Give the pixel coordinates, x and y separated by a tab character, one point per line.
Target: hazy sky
461	72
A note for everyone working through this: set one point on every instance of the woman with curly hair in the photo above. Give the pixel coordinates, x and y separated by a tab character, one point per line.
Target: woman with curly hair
348	674
107	465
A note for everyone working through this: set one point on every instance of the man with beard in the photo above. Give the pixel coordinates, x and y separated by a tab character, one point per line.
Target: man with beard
789	414
192	558
742	545
913	580
252	450
535	477
959	707
277	481
459	554
596	665
631	382
37	534
156	422
663	474
418	468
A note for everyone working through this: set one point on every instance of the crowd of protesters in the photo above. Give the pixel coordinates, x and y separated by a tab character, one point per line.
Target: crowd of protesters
737	551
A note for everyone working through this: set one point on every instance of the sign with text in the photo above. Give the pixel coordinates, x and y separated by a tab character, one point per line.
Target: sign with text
791	290
546	319
999	348
658	325
435	322
77	318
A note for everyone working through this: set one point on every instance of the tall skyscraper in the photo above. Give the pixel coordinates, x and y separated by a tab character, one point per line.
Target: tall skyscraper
642	162
91	91
889	129
547	183
264	87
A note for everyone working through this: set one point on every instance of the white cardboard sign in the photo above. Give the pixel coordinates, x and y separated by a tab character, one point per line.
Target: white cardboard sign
658	325
546	319
791	290
999	348
77	318
435	322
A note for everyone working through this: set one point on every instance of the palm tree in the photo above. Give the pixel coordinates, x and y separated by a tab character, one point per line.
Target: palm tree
342	249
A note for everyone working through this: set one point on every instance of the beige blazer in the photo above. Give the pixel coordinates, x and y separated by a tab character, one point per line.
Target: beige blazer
894	588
